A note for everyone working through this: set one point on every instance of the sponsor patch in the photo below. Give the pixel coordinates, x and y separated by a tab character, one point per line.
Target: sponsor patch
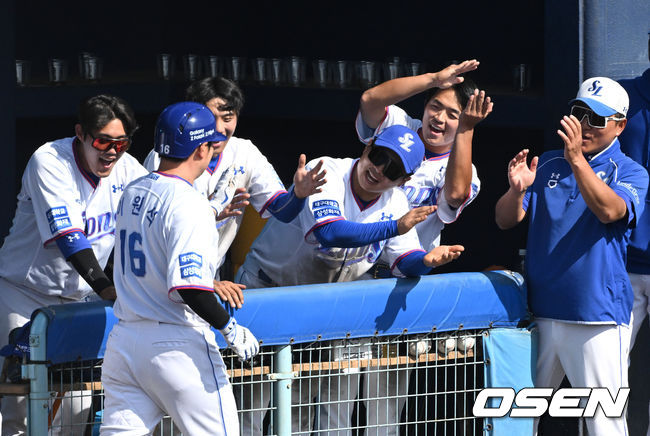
190	258
325	203
329	211
58	219
190	271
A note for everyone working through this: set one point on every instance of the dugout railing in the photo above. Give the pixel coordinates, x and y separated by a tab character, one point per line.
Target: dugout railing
348	353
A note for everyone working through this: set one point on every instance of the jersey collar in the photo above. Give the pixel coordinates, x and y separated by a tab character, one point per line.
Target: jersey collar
606	153
171	176
214	164
363	205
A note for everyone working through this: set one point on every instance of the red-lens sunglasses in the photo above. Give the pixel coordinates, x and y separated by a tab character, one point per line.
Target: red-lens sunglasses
103	144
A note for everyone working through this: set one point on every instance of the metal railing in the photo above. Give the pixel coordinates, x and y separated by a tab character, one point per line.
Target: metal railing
406	358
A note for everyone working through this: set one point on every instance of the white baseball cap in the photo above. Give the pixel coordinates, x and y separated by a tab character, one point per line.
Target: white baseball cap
603	96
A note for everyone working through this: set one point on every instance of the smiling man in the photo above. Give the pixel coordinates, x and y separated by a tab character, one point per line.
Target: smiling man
64	228
338	236
582	202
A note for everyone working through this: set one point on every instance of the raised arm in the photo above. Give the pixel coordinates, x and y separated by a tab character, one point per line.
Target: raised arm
375	100
459	167
600	198
509	210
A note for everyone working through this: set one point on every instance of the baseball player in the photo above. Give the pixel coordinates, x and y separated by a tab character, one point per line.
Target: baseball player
635	142
447	178
581	203
162	356
64	228
240	173
341	233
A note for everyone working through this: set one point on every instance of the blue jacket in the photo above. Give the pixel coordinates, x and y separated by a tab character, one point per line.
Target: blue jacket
575	264
635	142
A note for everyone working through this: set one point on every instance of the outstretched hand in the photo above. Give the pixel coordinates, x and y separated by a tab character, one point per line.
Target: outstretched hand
442	254
413	217
239	201
306	183
520	176
449	76
478	107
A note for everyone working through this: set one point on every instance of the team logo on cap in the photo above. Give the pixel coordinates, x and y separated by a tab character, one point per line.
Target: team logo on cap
405	141
595	88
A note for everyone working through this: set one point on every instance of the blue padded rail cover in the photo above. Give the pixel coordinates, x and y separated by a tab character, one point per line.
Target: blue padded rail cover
510	361
299	314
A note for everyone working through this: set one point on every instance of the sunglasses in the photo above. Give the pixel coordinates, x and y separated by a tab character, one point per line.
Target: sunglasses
393	169
103	143
593	119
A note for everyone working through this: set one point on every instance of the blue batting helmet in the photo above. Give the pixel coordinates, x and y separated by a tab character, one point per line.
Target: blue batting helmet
182	127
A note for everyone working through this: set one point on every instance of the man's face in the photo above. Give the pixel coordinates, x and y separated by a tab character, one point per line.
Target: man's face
594	139
371	179
440	120
226	122
97	162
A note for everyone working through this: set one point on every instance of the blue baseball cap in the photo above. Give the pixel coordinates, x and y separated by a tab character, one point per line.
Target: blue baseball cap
405	142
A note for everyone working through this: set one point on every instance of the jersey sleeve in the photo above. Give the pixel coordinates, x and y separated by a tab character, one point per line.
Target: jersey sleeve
52	188
326	206
394	116
152	161
632	187
447	213
191	244
264	184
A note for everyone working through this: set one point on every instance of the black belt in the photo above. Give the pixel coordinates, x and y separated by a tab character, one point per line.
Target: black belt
380	271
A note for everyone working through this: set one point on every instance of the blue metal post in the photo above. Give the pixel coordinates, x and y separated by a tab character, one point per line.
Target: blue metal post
282	390
39	396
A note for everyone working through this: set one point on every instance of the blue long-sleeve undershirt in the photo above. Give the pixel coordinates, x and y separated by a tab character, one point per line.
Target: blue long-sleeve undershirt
347	234
286	206
412	265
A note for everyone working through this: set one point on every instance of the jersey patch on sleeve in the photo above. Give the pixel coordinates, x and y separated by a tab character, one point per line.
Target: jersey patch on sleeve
58	219
325	203
190	264
328	211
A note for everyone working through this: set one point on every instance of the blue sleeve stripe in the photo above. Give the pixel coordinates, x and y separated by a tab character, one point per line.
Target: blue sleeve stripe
62	234
72	243
270	200
286	206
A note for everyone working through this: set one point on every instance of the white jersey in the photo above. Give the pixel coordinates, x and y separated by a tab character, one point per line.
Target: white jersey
425	186
289	254
166	241
240	165
59	198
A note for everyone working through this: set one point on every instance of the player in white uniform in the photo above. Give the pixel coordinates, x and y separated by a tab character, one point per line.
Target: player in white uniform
447	178
63	230
162	355
342	232
241	173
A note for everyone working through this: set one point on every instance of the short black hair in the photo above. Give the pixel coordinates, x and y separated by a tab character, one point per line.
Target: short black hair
463	91
96	112
204	90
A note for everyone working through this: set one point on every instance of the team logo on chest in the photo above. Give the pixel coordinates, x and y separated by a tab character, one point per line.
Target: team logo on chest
238	170
602	176
552	182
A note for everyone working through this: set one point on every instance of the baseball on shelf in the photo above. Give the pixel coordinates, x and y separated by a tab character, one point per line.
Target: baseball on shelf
465	344
445	345
418	347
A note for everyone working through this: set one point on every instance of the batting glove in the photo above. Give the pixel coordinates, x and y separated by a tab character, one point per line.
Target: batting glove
240	340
